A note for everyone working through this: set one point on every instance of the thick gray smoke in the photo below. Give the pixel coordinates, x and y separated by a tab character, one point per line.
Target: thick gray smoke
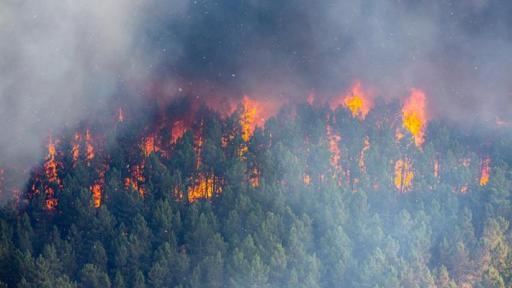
61	60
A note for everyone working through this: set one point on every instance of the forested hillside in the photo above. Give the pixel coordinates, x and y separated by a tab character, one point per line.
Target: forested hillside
341	195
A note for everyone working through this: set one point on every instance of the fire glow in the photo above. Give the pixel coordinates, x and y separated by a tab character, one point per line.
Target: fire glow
414	116
356	100
485	171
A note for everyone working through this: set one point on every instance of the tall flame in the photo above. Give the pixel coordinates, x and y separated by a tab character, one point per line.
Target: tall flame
356	100
485	171
414	116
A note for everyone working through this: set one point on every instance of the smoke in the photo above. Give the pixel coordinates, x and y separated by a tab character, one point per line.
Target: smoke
61	60
457	51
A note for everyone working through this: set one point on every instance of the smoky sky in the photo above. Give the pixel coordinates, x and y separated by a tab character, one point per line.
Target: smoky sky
62	61
457	51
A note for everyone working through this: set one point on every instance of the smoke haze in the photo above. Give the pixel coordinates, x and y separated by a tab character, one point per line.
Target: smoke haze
61	60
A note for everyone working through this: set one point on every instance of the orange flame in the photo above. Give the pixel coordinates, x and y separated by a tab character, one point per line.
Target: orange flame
414	116
404	175
485	171
356	100
204	187
50	168
96	194
137	180
75	149
89	148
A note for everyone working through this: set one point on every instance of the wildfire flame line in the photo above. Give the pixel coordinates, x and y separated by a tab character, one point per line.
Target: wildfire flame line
414	116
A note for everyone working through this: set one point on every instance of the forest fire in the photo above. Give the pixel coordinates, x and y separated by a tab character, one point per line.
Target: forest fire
404	175
356	100
485	171
414	116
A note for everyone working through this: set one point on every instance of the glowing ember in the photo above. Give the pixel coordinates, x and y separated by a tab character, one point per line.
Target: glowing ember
366	147
356	100
485	171
414	116
404	175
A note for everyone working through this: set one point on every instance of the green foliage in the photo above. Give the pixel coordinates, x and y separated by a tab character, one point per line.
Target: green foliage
334	232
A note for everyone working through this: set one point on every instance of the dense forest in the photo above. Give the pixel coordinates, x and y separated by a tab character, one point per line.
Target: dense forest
317	195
